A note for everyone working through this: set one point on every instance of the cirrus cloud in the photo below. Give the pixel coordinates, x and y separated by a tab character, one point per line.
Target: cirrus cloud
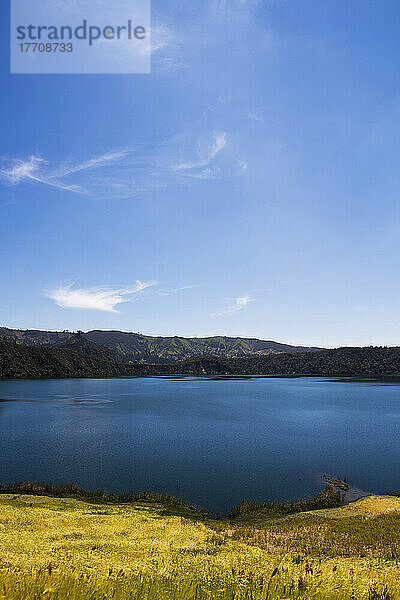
133	171
237	304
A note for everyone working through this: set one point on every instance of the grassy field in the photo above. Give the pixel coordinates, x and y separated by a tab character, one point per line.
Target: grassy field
63	548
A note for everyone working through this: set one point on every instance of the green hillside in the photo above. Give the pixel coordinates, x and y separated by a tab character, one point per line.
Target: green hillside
368	362
132	347
35	337
78	357
78	342
62	548
17	360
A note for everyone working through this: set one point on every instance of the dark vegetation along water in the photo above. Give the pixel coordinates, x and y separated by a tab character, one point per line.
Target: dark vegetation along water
79	356
211	441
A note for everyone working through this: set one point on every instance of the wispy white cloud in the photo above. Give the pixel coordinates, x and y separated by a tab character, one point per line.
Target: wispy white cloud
176	290
237	304
133	171
98	298
206	154
255	115
23	169
34	169
169	64
161	41
94	163
213	157
162	37
207	173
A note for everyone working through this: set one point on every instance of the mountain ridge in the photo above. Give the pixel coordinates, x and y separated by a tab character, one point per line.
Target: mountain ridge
136	347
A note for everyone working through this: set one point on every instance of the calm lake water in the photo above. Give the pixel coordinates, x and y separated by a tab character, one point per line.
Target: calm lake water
210	441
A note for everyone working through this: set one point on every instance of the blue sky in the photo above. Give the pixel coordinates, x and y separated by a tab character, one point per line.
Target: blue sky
248	186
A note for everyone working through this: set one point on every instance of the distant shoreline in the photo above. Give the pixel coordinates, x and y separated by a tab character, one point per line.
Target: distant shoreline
332	496
215	376
82	358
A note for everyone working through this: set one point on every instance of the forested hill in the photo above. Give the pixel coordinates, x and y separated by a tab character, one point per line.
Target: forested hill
369	362
18	360
132	347
80	343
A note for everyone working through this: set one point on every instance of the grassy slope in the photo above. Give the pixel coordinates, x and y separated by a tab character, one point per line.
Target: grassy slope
66	548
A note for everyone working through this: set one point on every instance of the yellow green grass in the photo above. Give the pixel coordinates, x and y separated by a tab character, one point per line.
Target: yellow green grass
376	505
60	548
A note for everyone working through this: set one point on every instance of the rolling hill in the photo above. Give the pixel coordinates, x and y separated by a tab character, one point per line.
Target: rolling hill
132	347
79	343
367	362
17	360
